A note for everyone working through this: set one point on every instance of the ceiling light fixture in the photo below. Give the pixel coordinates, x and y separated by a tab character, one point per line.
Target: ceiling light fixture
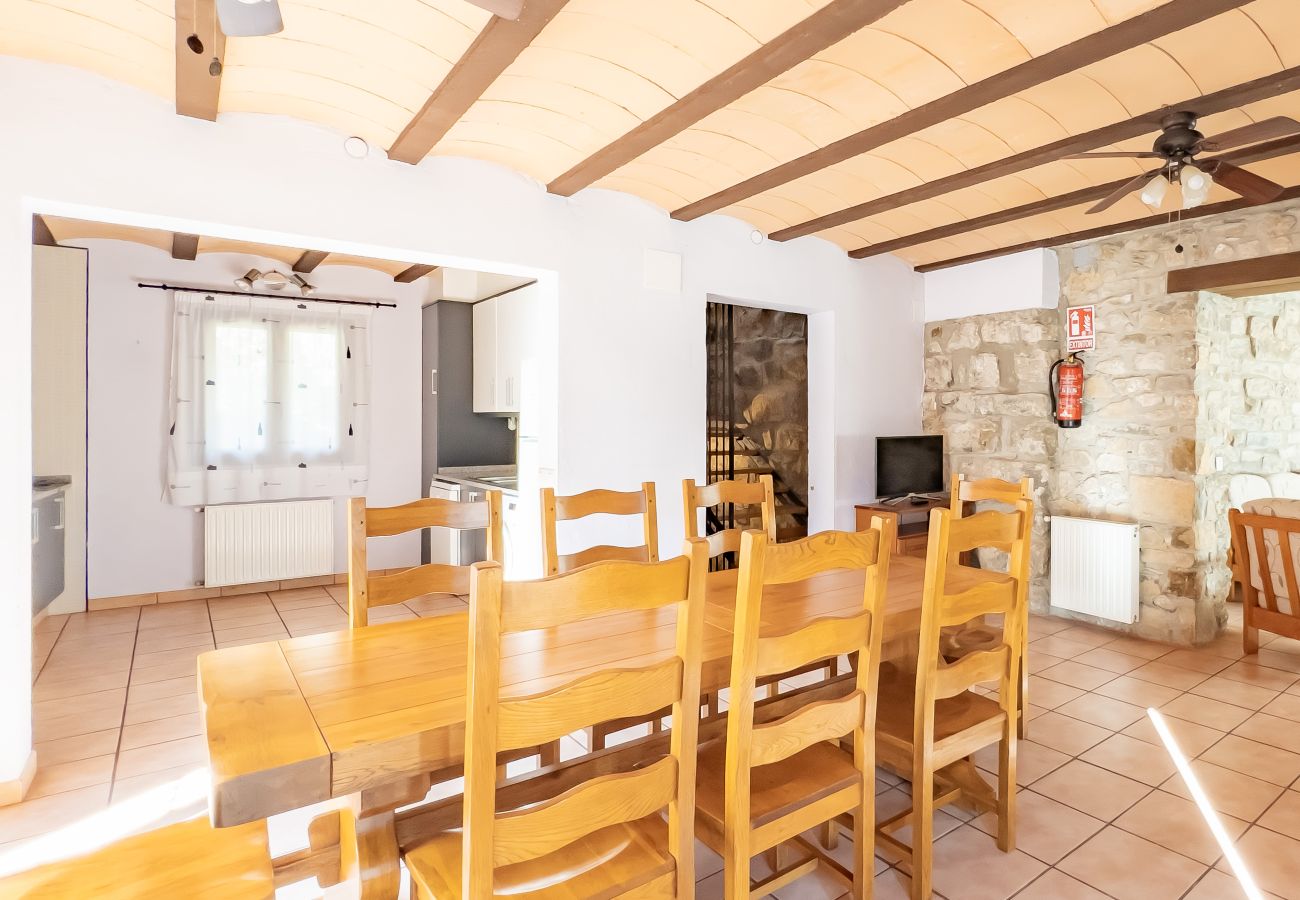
356	147
1196	185
306	289
276	281
250	18
756	236
246	281
1153	195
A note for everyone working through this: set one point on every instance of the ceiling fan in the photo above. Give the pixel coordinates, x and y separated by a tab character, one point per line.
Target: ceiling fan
1179	144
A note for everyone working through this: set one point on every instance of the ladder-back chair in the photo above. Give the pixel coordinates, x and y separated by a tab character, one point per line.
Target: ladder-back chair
1266	560
604	837
931	718
769	782
589	503
736	492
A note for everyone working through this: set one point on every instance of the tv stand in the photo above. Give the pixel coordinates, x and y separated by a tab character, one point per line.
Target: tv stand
911	516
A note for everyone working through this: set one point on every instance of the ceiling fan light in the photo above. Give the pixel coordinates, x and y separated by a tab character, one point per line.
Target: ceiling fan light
241	18
246	281
304	287
1153	195
1196	184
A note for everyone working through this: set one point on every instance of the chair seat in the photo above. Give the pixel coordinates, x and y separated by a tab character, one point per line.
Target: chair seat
606	863
953	716
189	859
776	790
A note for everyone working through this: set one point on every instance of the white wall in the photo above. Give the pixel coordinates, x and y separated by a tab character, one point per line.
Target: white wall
1028	280
631	360
138	542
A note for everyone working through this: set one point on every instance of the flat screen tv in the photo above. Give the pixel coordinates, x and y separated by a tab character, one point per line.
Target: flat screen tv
909	465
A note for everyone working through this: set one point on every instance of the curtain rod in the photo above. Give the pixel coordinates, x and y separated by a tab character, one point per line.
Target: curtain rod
203	290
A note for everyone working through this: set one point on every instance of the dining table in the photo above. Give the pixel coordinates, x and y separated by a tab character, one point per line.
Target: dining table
377	714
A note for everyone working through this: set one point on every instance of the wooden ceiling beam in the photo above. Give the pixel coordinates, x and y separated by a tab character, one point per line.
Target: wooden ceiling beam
41	234
1283	82
185	246
1174	15
1059	240
406	276
309	260
197	89
496	47
1246	156
824	28
1241	276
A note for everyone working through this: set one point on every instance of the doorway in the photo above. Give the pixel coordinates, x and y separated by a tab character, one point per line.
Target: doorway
757	413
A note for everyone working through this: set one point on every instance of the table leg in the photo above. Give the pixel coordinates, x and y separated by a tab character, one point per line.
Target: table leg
371	860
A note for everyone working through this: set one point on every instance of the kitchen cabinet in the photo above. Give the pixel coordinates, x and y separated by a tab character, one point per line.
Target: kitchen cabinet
504	334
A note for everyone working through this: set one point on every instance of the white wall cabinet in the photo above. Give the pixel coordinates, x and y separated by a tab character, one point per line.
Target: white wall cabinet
504	332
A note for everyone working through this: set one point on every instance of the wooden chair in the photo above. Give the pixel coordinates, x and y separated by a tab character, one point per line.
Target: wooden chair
931	719
590	503
1266	558
189	859
978	635
603	837
768	783
366	590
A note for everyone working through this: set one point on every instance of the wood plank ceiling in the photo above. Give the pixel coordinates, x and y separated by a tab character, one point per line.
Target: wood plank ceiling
933	129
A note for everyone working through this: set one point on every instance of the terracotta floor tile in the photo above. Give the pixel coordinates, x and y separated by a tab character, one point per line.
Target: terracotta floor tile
1263	761
201	640
1196	661
1050	694
156	690
1138	647
1284	706
164	672
1138	692
1056	885
263	616
1132	758
1271	730
1059	646
1192	739
1177	824
267	631
81	746
56	778
303	593
1238	693
1160	672
1102	711
158	731
1231	793
1091	789
1045	829
1217	885
1248	671
1273	860
166	657
1037	662
1204	711
1068	735
69	716
1128	867
1088	635
1112	660
1283	662
161	708
1284	815
1033	761
188	751
1076	674
49	687
969	866
49	813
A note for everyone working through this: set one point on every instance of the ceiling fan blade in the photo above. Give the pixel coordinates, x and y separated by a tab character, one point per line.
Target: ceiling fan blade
249	18
1117	154
505	9
1266	130
1254	188
1128	188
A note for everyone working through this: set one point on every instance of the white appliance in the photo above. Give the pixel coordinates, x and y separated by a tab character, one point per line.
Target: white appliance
460	547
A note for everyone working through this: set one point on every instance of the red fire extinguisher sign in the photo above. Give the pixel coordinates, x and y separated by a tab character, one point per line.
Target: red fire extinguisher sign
1080	328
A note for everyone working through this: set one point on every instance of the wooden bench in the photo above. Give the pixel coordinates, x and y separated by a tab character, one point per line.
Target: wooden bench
190	859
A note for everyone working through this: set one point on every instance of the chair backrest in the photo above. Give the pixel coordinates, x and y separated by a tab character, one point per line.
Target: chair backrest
1268	576
502	717
740	493
972	490
991	593
366	590
1285	485
590	503
764	565
1245	487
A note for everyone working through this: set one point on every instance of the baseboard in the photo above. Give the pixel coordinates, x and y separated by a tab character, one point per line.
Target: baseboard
230	590
14	791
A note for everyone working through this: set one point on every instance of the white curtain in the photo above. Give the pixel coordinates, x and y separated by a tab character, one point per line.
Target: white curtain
270	399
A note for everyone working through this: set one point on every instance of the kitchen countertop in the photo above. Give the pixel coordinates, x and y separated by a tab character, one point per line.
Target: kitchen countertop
475	475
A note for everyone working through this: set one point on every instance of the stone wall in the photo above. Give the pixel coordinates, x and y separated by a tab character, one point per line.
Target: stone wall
986	392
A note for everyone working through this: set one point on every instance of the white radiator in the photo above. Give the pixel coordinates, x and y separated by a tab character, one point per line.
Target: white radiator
1095	568
248	543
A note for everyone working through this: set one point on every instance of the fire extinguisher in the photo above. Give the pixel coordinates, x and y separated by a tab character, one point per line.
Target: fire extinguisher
1066	388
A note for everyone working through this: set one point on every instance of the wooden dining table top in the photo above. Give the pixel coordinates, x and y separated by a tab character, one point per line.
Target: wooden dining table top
294	722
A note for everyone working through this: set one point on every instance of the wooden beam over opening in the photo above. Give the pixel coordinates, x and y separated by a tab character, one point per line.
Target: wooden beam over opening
197	89
1270	150
497	46
406	276
309	260
41	234
824	28
1174	15
1239	277
185	246
1059	240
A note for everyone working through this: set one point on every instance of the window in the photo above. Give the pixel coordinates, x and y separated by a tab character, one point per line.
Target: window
270	399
